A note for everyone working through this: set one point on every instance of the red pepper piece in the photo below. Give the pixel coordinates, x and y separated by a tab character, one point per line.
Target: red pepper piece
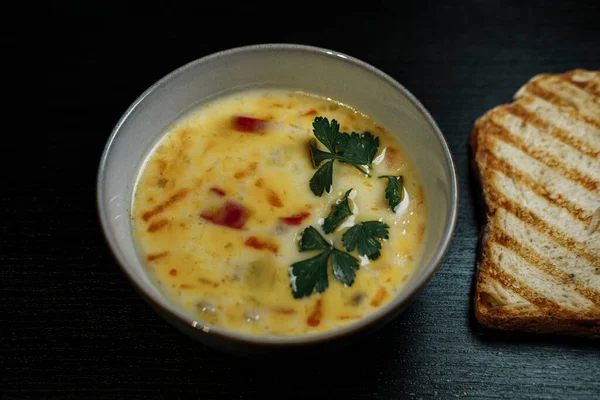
295	219
248	124
231	215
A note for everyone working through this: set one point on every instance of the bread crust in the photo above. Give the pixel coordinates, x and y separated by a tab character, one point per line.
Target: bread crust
505	299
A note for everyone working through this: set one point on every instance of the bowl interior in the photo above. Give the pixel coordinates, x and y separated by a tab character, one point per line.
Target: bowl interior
312	70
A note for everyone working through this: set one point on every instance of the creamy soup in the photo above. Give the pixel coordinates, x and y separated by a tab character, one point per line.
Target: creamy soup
223	200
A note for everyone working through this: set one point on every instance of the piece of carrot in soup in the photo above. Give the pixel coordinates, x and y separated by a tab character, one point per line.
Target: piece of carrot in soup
314	319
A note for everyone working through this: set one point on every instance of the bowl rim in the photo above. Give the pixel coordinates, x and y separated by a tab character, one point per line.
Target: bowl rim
392	308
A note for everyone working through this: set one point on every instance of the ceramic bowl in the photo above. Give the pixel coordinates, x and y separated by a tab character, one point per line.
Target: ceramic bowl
310	69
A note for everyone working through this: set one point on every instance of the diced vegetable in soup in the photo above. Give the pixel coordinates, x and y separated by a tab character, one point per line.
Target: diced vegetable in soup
274	212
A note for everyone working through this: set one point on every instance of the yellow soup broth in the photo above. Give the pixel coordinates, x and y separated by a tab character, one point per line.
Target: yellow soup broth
222	200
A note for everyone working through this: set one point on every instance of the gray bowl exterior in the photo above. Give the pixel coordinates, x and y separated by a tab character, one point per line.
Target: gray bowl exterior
309	69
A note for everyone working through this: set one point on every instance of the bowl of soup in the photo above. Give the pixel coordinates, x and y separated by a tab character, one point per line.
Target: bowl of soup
276	196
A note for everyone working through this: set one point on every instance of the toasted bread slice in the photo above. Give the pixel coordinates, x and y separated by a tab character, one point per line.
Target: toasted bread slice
538	161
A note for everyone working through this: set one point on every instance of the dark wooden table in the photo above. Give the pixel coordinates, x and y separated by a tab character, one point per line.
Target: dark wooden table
73	327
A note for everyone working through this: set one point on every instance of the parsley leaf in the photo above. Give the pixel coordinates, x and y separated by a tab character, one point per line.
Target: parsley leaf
344	266
342	141
364	237
322	179
360	149
310	275
326	133
312	240
394	191
355	149
339	213
318	156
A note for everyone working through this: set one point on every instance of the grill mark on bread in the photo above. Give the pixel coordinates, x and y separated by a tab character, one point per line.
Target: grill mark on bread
494	163
588	85
511	283
555	182
538	319
555	217
538	141
542	264
531	284
543	157
561	257
571	93
180	194
499	294
538	224
563	83
495	295
519	111
567	118
535	89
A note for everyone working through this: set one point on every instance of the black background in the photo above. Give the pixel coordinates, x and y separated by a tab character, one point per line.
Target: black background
71	324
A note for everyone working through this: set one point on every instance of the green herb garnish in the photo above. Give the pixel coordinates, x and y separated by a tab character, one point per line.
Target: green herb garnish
355	149
394	191
310	275
344	266
339	213
322	179
364	237
312	240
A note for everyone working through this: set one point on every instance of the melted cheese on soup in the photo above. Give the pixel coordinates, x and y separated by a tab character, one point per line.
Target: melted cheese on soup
222	200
